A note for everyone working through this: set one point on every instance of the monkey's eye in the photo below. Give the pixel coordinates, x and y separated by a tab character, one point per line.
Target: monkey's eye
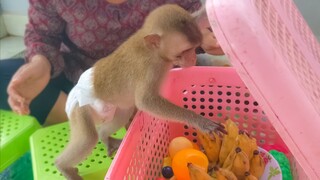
179	57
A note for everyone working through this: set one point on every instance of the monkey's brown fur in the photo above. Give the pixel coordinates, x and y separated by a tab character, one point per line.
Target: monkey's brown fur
131	77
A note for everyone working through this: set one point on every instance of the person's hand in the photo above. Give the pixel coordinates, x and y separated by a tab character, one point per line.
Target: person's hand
27	83
209	43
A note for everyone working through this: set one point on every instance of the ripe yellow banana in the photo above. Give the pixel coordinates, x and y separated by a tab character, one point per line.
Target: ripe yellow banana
228	143
223	174
231	128
167	161
229	140
241	164
249	176
228	174
257	164
211	145
198	173
217	175
253	145
228	163
245	143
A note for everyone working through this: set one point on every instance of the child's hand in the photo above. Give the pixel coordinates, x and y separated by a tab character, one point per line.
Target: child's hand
210	44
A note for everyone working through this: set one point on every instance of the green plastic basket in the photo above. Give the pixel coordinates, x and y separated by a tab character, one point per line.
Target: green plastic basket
47	143
15	131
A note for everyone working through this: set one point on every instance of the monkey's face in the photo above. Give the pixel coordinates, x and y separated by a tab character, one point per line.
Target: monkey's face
175	47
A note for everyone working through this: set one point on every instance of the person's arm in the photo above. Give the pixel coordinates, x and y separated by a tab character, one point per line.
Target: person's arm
29	80
44	33
43	39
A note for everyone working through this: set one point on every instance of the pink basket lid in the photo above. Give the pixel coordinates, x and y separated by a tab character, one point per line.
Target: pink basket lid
278	58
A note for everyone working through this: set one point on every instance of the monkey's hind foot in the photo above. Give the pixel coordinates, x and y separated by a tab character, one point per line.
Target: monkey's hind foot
70	173
113	145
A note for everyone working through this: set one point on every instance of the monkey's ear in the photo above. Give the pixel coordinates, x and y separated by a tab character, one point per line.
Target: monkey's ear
152	40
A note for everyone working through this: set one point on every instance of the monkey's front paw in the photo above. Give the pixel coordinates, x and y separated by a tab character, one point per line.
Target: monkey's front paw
211	126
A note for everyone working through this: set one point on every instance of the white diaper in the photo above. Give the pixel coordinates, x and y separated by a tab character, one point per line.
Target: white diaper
82	93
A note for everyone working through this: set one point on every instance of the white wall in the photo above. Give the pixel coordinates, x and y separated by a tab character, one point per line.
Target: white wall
19	7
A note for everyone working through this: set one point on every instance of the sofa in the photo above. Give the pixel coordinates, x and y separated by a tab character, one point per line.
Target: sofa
12	27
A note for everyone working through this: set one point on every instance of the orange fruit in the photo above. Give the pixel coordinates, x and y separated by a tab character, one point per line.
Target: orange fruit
185	156
179	143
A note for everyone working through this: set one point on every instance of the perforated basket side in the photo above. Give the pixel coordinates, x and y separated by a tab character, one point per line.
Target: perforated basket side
47	144
277	57
14	136
218	93
142	150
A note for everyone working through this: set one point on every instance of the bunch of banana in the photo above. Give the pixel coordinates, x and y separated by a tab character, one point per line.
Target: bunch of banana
249	176
198	173
223	174
211	144
257	164
229	140
234	155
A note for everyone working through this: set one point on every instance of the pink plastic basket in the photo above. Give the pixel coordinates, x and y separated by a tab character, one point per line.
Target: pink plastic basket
214	92
278	58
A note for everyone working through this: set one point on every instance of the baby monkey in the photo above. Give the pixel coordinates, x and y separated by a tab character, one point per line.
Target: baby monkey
108	93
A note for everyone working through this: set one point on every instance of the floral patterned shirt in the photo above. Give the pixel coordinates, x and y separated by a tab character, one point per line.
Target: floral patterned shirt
74	34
